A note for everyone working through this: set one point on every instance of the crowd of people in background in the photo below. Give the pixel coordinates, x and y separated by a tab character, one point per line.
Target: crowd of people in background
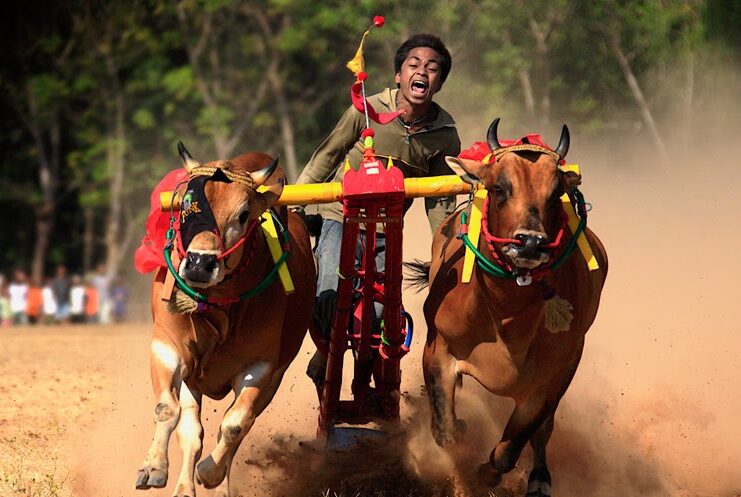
97	298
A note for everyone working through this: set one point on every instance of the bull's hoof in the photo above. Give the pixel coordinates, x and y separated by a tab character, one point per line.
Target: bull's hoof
208	474
151	478
539	483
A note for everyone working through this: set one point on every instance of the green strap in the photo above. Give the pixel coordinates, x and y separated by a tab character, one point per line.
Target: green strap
183	286
493	269
485	264
267	280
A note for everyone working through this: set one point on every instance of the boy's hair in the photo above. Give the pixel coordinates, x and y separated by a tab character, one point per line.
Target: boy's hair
424	40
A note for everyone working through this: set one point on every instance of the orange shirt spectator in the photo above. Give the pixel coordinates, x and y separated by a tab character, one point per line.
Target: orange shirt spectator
34	303
91	304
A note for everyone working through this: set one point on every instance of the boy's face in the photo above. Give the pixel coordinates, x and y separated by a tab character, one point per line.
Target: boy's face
420	75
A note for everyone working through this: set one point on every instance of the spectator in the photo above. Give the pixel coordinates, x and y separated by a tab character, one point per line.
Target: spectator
77	300
92	303
5	316
102	283
119	300
49	303
34	302
18	294
60	288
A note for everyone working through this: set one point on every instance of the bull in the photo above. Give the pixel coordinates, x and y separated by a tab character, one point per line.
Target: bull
243	329
497	328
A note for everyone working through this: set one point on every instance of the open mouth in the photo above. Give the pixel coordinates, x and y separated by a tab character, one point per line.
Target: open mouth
524	261
419	87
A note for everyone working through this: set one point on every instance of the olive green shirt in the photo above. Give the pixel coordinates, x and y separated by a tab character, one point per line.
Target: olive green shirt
418	154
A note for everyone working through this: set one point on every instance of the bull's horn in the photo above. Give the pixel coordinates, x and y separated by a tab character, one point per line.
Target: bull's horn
491	135
188	161
563	143
263	174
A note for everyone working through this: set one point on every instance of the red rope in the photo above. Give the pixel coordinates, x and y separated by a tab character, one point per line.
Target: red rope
537	273
224	253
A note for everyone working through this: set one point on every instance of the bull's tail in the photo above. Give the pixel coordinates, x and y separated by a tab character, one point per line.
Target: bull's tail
417	274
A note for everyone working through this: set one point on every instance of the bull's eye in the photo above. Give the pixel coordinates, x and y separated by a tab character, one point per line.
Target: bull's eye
502	188
243	216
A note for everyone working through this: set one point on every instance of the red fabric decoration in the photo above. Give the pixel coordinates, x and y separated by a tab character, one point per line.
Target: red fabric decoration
357	99
148	256
479	150
362	76
367	132
378	21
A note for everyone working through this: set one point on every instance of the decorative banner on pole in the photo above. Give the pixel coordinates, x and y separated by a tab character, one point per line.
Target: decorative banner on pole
357	91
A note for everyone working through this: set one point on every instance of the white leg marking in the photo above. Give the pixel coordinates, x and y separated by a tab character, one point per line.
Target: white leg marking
254	375
165	355
190	433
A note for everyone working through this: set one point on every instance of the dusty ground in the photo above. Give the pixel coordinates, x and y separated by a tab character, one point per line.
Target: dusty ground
653	409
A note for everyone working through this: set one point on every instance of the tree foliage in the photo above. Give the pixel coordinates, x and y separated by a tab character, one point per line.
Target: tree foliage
96	94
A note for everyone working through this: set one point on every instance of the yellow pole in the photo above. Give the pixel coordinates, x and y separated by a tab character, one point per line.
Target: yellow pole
324	193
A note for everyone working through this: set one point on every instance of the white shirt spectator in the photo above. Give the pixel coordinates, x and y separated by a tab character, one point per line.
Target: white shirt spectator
77	300
50	304
18	294
102	283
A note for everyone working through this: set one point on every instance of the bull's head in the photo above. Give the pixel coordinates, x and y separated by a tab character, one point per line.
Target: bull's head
221	201
524	185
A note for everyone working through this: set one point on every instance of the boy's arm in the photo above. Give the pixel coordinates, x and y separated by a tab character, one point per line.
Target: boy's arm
439	208
326	158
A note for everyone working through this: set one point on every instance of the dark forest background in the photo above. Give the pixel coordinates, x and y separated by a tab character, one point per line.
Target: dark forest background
94	95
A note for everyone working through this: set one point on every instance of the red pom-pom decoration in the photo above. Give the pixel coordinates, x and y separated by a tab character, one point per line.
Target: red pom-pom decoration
378	21
362	76
562	162
367	132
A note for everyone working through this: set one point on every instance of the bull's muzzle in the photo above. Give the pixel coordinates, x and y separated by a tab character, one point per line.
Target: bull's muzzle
199	268
532	250
532	245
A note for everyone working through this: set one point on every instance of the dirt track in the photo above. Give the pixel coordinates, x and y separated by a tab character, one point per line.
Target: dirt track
652	410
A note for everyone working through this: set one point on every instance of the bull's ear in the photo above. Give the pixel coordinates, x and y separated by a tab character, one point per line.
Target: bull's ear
269	194
569	176
468	170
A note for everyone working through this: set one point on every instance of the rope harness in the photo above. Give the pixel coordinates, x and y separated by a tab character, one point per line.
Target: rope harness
172	236
498	267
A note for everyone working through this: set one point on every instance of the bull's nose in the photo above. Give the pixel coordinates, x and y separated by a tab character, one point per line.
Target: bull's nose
532	245
199	267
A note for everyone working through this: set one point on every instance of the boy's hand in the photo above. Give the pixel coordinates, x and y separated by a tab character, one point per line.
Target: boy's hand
313	222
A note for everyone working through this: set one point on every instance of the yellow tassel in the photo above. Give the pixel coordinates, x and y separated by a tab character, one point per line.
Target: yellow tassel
558	315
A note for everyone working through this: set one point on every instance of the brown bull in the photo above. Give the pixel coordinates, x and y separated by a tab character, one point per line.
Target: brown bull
244	346
493	329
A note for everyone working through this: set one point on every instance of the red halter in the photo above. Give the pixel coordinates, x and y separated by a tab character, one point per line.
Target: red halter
491	239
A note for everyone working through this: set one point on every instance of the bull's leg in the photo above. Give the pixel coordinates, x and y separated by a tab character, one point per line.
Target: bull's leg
190	436
531	415
254	388
165	368
440	381
527	416
539	481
